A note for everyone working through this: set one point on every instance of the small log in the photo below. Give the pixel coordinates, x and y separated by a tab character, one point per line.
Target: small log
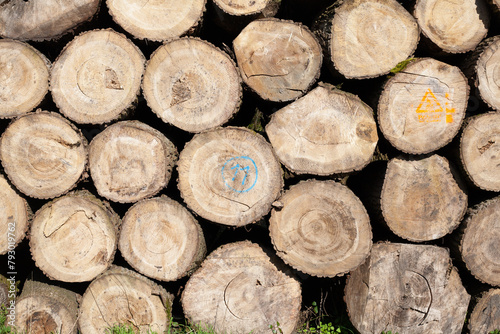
421	199
229	176
130	161
485	317
122	297
405	288
24	78
40	20
326	132
442	21
240	289
43	154
161	239
278	59
15	217
97	77
480	151
192	84
42	308
74	238
421	108
157	20
487	67
479	243
321	228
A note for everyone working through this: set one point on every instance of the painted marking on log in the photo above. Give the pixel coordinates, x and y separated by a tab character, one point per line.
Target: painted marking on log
430	110
240	174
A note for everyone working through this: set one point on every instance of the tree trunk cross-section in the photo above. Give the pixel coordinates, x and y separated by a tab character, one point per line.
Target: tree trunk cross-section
192	84
74	238
24	78
240	289
122	296
479	245
229	176
43	154
420	198
278	59
130	161
485	317
404	288
157	20
43	19
442	21
322	229
97	77
487	69
326	132
161	239
421	108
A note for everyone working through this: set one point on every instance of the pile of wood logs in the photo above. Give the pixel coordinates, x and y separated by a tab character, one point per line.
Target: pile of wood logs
219	160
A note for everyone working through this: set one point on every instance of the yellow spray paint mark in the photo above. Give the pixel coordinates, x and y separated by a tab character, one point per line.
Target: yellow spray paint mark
430	110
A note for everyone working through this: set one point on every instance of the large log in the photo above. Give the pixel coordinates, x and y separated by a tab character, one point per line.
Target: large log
192	84
278	59
161	239
420	199
24	78
97	77
74	238
404	288
321	228
487	67
43	154
421	108
241	289
485	316
229	176
326	132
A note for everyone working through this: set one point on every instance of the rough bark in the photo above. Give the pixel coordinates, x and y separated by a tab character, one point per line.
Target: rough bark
130	161
192	84
487	67
240	289
122	297
406	288
229	176
326	132
278	59
421	108
485	317
97	77
43	154
321	228
161	239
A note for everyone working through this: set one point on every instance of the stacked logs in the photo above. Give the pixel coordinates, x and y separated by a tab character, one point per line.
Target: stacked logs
143	141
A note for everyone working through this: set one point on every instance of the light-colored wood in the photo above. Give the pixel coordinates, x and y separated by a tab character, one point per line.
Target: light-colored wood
15	216
240	289
327	131
43	154
421	108
479	244
121	296
161	239
405	288
421	199
24	78
97	77
229	176
480	151
157	20
74	238
321	228
487	68
370	37
485	317
44	308
130	161
278	59
192	84
442	21
40	20
234	15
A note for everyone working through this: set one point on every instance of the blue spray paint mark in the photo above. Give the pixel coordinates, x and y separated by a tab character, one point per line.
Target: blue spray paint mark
244	167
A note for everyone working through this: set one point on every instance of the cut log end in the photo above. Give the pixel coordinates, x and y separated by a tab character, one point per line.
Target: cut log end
487	69
485	317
